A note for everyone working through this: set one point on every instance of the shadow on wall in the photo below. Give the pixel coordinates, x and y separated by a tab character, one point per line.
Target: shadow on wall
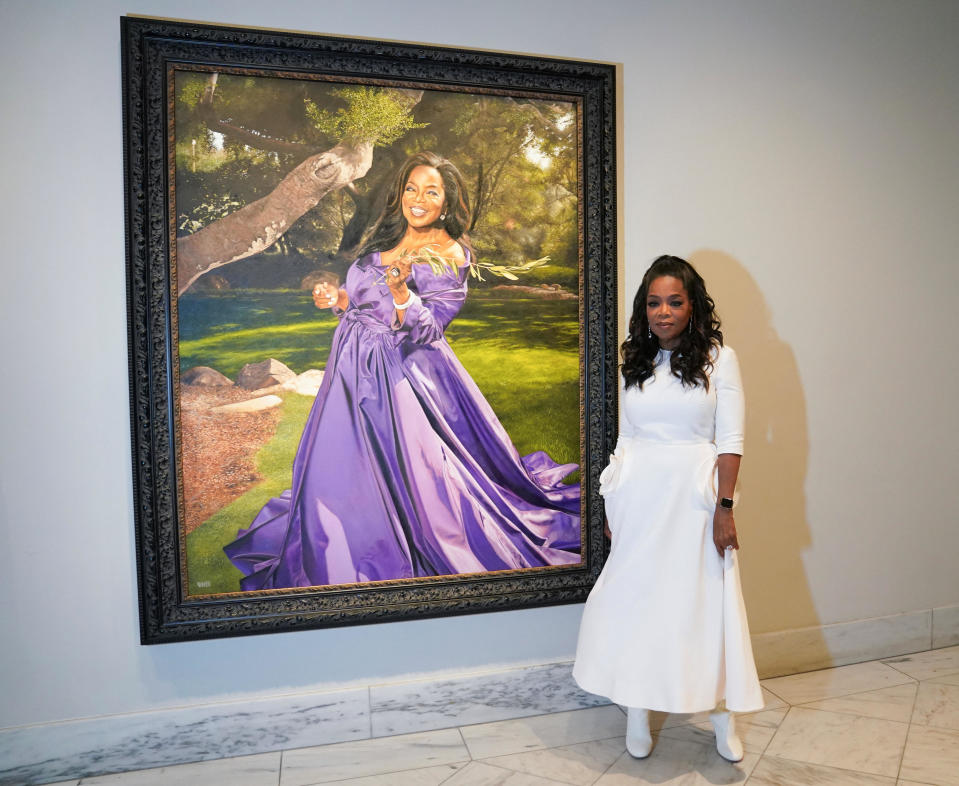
771	516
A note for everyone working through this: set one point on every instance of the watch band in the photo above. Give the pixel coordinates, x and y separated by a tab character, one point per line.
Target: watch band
726	502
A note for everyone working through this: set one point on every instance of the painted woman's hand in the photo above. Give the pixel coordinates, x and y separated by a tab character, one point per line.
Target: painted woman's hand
724	530
397	274
325	295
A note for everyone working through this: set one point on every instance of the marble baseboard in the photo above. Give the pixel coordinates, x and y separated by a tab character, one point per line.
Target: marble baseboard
822	647
100	746
97	746
419	706
945	627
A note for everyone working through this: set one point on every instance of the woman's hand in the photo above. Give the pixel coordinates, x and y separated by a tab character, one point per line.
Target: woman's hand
724	530
396	274
326	295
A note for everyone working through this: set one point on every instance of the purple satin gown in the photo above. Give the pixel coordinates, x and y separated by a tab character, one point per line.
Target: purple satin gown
403	469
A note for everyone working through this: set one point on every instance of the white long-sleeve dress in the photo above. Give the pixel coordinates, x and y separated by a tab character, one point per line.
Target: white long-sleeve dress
665	627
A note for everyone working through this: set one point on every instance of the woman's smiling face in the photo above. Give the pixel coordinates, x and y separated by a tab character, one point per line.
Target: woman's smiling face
668	310
423	197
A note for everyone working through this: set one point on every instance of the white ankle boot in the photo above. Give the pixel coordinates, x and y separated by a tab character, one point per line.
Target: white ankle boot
728	744
639	741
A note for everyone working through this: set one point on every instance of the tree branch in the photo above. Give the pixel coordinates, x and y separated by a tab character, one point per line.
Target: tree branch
257	226
240	134
259	140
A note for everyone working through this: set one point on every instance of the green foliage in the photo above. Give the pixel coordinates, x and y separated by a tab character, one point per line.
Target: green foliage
522	353
198	155
206	212
371	115
191	88
521	160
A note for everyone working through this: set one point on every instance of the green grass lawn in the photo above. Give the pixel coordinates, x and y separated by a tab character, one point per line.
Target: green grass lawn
227	330
522	353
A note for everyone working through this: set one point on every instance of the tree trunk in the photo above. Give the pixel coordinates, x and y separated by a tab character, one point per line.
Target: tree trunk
257	225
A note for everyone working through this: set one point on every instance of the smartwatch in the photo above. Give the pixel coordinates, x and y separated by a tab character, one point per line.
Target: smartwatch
726	502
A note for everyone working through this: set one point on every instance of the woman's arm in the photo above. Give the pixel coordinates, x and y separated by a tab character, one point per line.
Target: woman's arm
424	315
724	523
730	417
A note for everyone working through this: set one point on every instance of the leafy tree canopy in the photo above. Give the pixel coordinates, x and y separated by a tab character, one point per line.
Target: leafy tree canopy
370	115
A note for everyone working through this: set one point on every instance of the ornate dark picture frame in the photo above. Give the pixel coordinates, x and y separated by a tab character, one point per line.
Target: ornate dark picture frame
153	52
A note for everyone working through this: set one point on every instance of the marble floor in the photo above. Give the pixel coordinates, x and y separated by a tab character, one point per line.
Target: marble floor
894	721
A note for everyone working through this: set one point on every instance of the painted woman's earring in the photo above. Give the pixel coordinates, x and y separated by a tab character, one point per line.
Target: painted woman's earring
442	216
649	332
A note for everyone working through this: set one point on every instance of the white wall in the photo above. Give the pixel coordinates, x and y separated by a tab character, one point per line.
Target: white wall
803	154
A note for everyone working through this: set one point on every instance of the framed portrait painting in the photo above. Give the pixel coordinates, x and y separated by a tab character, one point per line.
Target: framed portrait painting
372	327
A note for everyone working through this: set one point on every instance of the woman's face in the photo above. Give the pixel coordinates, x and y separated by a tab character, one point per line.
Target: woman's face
423	197
668	310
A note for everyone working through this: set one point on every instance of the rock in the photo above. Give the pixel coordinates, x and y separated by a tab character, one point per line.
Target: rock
308	383
204	376
251	405
287	386
263	374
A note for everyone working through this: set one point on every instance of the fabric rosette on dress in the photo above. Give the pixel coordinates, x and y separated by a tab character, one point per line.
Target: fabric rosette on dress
611	476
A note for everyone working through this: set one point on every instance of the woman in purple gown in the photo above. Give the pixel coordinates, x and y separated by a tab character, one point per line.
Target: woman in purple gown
403	469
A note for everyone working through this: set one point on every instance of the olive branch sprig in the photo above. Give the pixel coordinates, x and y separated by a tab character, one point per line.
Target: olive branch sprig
439	264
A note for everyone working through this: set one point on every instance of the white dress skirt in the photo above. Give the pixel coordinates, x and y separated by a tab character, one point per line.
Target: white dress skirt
664	628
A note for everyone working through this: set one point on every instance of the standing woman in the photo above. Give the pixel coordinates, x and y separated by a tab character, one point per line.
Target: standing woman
665	627
403	469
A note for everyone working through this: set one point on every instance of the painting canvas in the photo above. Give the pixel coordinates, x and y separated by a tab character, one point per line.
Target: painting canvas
278	162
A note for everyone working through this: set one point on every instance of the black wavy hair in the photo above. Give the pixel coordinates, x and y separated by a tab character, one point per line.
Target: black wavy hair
691	361
391	224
